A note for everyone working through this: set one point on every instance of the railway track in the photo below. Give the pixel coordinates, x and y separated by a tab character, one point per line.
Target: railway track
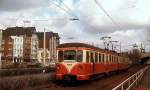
103	83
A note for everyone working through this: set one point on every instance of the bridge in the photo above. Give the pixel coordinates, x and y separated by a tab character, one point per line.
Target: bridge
145	58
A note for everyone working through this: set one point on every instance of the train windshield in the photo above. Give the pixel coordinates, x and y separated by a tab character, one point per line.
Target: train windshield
71	55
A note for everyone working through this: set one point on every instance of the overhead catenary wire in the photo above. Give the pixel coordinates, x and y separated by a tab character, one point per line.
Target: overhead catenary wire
68	8
107	14
65	8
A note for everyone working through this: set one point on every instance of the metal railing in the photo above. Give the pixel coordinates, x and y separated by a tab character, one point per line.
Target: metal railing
131	81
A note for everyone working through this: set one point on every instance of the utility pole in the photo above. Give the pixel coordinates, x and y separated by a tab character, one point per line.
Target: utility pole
0	61
44	46
120	46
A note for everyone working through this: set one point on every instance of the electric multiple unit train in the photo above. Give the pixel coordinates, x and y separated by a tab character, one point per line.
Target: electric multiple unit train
79	61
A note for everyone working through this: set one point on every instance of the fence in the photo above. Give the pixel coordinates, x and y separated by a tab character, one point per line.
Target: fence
131	81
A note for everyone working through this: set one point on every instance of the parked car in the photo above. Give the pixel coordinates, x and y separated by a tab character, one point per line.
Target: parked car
53	64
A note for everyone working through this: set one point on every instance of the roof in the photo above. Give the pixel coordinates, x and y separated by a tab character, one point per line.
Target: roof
19	31
48	35
77	44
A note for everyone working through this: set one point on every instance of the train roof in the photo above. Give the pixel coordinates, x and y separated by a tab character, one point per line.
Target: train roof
77	44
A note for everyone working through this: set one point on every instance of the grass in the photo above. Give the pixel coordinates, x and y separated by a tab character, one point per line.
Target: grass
26	81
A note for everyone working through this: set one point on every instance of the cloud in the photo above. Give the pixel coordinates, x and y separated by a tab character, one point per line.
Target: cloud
15	5
131	15
127	14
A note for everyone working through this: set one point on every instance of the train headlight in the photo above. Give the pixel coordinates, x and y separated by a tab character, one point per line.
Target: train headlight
58	67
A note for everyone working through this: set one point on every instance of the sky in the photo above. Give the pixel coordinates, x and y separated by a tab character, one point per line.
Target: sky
132	18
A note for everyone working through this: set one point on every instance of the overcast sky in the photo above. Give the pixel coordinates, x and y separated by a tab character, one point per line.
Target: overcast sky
132	16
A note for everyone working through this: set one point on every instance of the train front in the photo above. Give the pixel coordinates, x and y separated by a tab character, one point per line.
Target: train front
70	64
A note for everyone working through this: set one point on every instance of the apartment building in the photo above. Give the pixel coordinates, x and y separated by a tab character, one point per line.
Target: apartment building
17	43
21	44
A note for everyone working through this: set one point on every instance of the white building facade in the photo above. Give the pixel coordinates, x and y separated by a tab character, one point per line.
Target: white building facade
53	44
17	48
34	47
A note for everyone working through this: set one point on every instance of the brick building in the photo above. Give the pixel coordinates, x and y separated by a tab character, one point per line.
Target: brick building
23	44
0	47
52	41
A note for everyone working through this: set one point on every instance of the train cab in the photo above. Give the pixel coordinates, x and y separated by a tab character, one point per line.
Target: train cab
70	64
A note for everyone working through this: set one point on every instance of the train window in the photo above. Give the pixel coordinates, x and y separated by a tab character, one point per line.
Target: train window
79	55
116	59
73	55
106	58
60	56
103	57
87	56
113	59
120	60
100	57
92	57
96	57
110	59
70	55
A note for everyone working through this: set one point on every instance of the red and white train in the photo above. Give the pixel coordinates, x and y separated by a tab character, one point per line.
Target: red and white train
79	61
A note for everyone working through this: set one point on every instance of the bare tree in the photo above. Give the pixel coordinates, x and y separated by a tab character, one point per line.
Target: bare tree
135	56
